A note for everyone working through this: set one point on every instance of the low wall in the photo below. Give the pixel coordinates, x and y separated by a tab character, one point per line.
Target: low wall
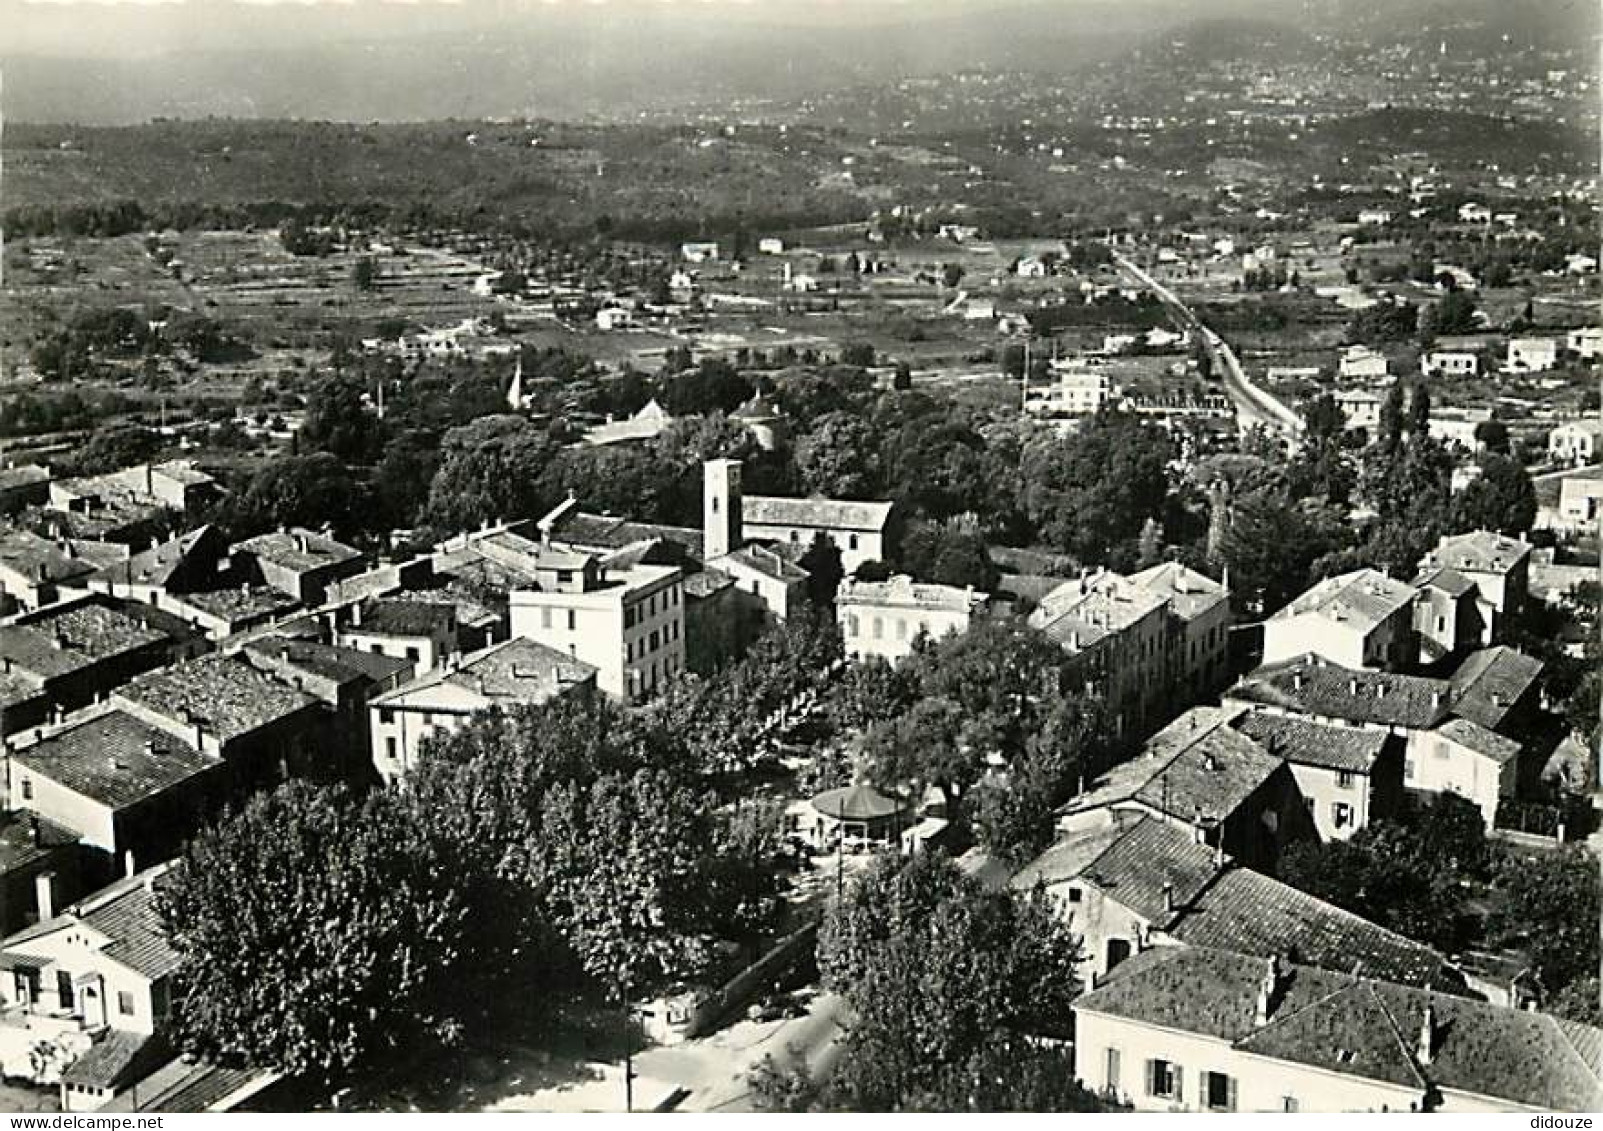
715	1009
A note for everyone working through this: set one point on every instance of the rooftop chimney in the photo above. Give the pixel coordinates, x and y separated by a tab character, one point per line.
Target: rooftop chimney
44	894
1268	991
1427	1033
1168	898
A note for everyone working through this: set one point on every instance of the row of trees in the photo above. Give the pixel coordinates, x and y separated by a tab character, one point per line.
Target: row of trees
576	843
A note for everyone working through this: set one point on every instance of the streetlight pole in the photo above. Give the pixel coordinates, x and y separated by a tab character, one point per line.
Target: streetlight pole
628	1051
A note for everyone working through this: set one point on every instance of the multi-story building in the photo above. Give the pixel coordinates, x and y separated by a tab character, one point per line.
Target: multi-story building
1200	656
1347	776
1449	363
1531	355
1075	391
1498	567
513	673
422	632
1122	634
1362	362
1447	614
1465	735
1580	503
1198	772
299	563
1578	441
626	623
1195	1029
1362	619
1147	882
884	618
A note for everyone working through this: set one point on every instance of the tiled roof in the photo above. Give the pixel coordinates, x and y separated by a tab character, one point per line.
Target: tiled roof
330	661
1134	869
1251	913
1489	682
704	583
138	940
186	1085
1190	593
765	561
241	602
1314	686
225	694
389	617
125	914
1361	1027
113	758
823	514
26	837
157	565
73	638
116	1059
1081	614
299	549
1313	744
901	591
1449	581
516	671
1196	768
1479	739
1364	598
1483	551
29	554
1069	857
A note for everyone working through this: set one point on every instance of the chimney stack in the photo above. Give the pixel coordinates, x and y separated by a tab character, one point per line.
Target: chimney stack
1427	1032
128	866
44	894
1268	992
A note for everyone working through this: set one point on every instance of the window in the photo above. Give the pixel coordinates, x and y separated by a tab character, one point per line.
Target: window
1112	1075
573	620
1218	1091
901	629
27	789
1441	624
851	624
1075	895
879	628
1163	1079
1344	779
414	655
385	715
1408	770
390	750
851	541
545	618
125	1003
64	989
1342	814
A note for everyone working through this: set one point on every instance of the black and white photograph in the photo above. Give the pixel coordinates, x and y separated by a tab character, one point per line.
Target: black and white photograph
800	556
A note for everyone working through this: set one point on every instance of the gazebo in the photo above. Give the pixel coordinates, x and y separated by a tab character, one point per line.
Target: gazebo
857	810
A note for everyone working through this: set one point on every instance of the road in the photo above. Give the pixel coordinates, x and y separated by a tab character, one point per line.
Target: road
1254	406
712	1073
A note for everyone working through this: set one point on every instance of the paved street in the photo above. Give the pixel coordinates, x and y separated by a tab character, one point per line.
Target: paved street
713	1069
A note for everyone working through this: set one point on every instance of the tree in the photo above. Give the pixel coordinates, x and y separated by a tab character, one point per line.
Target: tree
115	446
951	275
490	470
1493	434
320	935
949	987
1551	906
836	458
860	354
307	490
824	572
952	552
903	377
1270	546
339	421
1091	492
1501	498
